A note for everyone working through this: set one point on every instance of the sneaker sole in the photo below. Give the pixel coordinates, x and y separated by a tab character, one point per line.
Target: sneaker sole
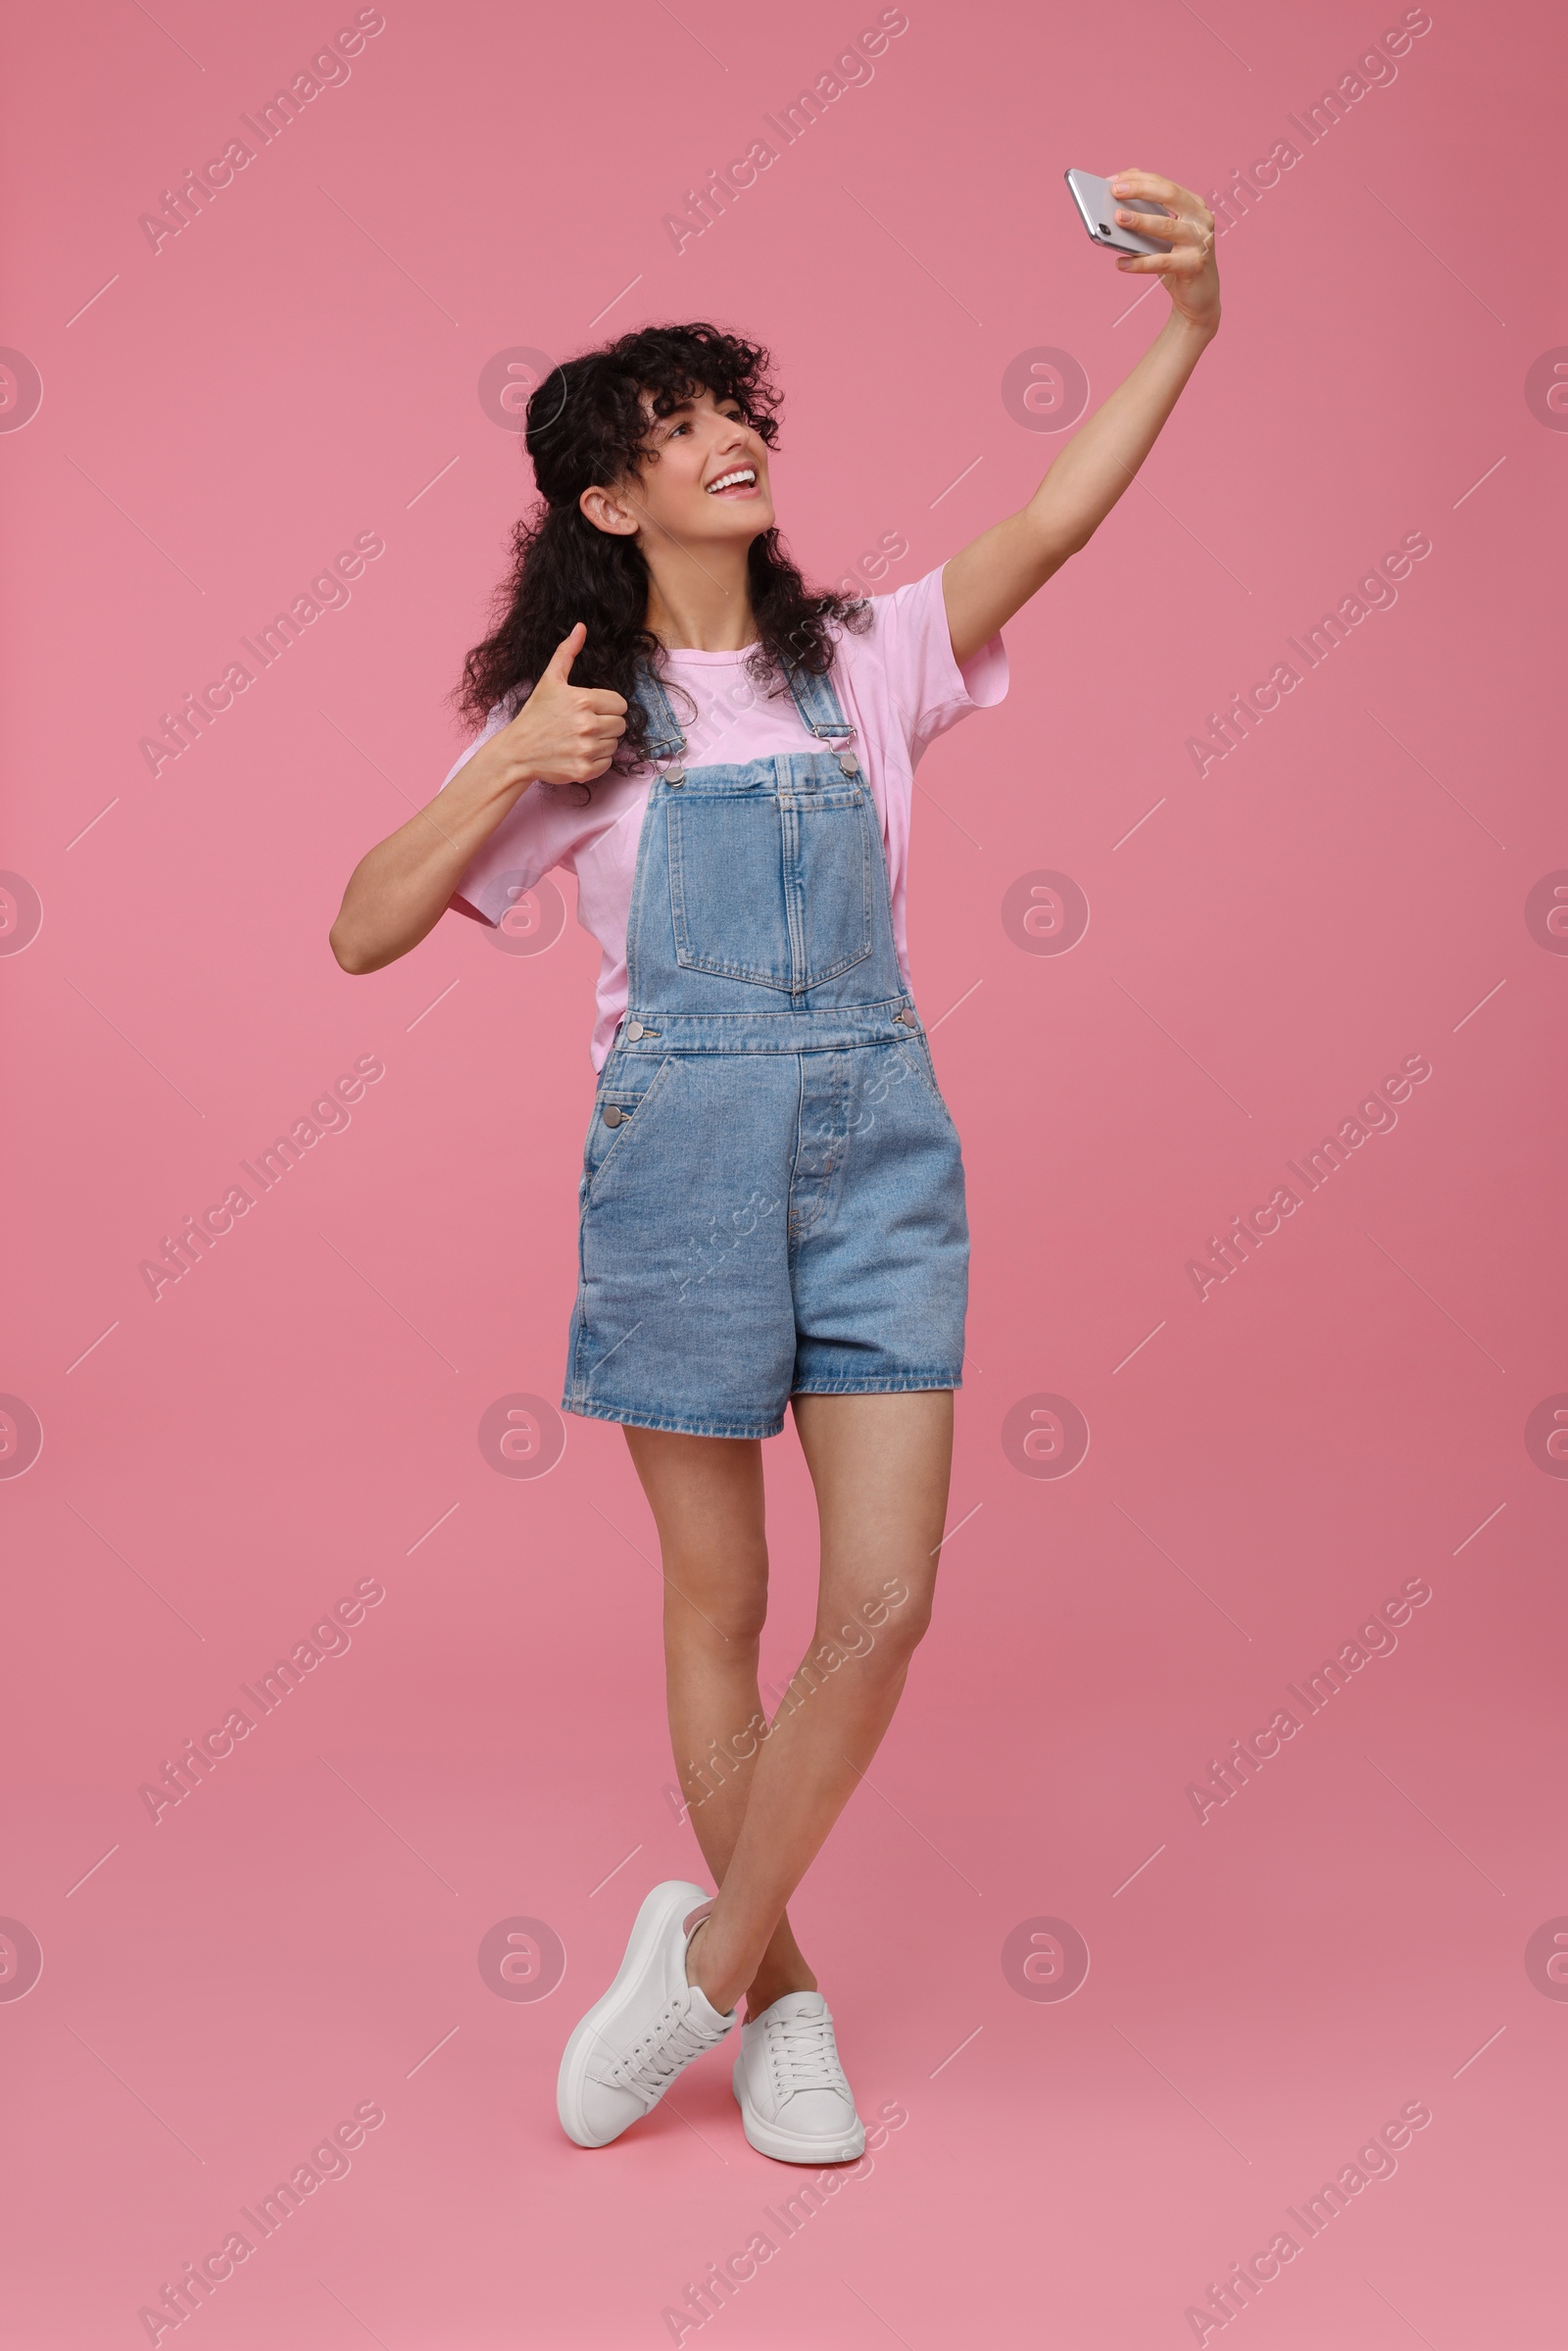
788	2146
664	1904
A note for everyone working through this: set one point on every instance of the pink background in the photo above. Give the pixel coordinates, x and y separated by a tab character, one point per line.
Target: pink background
1266	1988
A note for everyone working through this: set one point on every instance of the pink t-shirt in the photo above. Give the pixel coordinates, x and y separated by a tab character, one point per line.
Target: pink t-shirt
899	687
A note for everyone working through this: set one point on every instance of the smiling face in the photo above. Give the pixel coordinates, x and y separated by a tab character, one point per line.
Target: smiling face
702	480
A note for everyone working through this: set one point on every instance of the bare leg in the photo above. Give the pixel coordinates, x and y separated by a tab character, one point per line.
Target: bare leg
705	1493
880	1465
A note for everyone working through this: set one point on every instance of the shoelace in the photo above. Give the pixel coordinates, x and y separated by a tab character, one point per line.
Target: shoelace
652	2064
804	2054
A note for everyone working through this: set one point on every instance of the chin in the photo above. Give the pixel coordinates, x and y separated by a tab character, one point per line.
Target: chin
749	516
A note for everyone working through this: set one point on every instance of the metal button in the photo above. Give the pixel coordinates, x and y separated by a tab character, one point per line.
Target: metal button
675	776
613	1115
634	1028
911	1018
848	763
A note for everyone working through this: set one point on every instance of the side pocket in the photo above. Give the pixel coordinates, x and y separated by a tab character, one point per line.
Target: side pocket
625	1095
916	1058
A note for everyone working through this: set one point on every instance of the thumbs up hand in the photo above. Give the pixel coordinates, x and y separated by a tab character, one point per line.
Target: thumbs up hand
564	734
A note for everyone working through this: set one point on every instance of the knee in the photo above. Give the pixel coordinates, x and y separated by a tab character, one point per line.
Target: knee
898	1638
727	1628
885	1648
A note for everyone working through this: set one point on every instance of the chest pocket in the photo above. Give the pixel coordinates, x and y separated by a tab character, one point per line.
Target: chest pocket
774	887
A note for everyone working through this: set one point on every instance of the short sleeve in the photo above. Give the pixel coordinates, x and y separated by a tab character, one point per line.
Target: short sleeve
549	825
927	689
501	714
539	832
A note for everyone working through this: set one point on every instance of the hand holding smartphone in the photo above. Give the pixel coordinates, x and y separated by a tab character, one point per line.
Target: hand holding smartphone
1098	209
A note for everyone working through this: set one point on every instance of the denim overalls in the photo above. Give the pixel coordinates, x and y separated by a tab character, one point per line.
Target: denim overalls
772	1193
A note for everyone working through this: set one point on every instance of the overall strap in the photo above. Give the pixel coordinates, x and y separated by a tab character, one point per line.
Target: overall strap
819	706
814	699
664	738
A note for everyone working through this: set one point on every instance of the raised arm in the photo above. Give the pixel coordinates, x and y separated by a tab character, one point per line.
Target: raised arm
996	574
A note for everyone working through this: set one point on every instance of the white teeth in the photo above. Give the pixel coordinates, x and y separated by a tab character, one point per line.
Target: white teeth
727	481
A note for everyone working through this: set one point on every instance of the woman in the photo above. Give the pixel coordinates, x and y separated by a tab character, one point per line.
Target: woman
772	1196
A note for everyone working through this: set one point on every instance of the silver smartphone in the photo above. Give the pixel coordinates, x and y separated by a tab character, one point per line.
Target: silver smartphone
1097	208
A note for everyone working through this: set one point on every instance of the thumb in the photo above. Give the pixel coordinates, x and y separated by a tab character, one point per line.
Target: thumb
559	666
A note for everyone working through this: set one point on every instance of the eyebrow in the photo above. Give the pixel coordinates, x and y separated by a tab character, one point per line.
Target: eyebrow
684	408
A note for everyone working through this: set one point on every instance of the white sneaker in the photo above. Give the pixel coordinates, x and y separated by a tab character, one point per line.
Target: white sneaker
795	2103
648	2027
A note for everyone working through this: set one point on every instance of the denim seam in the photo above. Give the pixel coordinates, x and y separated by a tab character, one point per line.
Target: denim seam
635	1417
904	1383
865	1015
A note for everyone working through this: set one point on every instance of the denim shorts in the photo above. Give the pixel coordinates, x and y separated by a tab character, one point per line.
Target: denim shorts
760	1226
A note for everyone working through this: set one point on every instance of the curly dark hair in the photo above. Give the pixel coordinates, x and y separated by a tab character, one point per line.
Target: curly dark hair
586	425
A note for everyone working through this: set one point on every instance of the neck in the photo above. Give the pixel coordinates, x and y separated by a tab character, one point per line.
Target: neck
698	600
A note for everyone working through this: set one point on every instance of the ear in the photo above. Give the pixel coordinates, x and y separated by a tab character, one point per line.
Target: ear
607	513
